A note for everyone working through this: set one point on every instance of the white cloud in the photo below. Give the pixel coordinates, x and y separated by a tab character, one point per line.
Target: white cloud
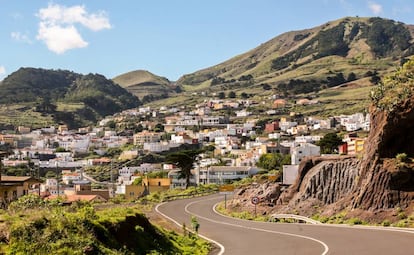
60	39
20	37
57	27
375	8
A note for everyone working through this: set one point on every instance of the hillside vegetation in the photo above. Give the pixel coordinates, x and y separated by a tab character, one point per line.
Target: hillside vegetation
356	45
145	85
32	226
64	96
353	50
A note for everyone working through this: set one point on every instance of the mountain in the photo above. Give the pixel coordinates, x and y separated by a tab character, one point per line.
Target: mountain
65	96
347	49
145	85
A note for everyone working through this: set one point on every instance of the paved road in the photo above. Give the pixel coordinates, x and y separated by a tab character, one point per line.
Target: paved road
240	237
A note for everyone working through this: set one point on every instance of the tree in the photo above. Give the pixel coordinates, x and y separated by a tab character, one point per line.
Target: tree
159	127
351	77
329	143
266	86
111	124
50	174
273	161
221	95
184	160
232	94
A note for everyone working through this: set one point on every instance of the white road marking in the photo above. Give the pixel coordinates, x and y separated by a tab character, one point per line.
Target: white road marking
326	248
222	249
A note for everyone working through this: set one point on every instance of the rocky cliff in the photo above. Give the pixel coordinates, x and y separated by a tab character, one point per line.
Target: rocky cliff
377	182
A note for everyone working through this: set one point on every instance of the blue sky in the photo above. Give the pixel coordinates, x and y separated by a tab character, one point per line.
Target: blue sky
166	37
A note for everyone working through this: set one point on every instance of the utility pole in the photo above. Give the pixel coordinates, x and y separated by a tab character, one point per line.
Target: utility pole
112	182
57	179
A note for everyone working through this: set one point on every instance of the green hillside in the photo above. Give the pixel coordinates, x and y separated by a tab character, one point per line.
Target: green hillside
39	97
352	53
347	45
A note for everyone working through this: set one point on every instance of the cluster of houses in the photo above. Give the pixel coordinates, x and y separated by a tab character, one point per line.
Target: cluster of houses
238	145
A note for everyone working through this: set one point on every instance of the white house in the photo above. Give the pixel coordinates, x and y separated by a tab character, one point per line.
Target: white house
301	150
290	173
225	174
69	178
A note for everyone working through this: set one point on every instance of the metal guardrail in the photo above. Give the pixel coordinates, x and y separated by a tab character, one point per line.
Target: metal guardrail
295	217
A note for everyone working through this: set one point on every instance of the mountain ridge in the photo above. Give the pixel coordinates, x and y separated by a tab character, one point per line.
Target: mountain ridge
350	41
68	97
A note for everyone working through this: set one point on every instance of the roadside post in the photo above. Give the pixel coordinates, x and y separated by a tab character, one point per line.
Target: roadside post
255	201
226	189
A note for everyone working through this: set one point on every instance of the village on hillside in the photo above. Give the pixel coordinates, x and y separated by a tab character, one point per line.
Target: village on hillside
55	160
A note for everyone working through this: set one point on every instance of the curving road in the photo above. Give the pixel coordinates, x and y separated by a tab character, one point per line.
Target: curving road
235	236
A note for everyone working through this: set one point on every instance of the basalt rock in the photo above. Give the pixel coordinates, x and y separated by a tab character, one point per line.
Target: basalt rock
375	182
372	183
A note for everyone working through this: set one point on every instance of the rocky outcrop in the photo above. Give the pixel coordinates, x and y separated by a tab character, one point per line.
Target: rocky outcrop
328	182
385	183
376	183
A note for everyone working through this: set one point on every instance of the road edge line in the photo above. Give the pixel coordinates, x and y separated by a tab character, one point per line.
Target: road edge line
222	249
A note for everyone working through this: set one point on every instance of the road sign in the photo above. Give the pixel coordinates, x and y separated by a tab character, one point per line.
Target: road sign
226	189
255	200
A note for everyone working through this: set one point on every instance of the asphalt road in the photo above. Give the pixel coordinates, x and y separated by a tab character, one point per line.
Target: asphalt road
239	237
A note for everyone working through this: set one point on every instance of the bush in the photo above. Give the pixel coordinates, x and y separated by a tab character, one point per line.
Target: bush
401	157
355	221
386	223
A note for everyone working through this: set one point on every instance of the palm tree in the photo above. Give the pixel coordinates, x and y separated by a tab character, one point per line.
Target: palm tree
184	160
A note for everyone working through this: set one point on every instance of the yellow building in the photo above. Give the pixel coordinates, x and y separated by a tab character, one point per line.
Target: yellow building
13	187
148	185
356	146
146	137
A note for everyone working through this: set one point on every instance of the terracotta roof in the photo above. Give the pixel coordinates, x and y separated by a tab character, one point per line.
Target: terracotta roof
5	178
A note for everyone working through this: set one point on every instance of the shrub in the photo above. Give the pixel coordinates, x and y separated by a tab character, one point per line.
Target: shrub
401	157
386	223
355	221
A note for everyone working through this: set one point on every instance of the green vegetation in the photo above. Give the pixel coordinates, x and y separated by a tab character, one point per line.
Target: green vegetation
273	161
329	143
172	194
395	88
387	37
184	160
401	158
345	54
60	96
33	226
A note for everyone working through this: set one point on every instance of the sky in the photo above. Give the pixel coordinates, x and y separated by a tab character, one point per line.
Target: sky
169	38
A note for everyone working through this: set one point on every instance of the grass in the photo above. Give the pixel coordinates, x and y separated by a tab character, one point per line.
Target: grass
172	194
23	115
69	107
338	101
36	227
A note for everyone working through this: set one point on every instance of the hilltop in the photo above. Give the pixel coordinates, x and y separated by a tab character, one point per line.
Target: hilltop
351	52
145	85
349	44
35	97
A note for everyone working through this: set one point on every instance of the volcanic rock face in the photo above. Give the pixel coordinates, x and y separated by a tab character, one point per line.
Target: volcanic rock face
375	182
329	181
378	181
385	183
